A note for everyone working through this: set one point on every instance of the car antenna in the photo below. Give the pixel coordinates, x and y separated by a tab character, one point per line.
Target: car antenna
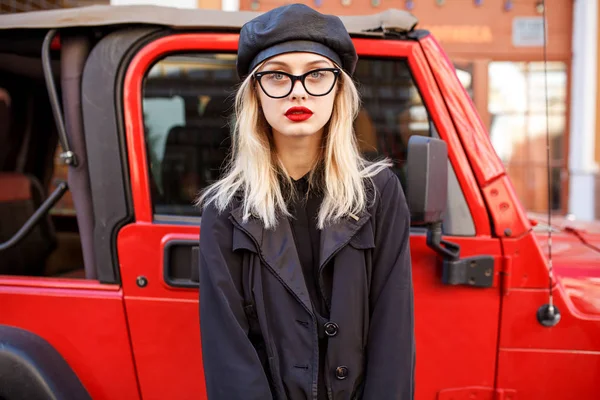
548	315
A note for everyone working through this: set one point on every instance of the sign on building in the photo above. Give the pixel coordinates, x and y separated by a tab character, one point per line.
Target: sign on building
528	32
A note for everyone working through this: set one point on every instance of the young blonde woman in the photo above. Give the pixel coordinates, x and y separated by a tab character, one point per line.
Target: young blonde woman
305	272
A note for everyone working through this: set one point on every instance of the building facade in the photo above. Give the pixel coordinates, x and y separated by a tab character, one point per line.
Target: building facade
15	6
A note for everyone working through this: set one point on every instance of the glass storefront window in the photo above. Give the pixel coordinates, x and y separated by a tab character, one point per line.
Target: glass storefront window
517	107
464	72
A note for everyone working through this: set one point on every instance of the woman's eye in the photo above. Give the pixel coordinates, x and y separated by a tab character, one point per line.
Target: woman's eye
316	74
276	76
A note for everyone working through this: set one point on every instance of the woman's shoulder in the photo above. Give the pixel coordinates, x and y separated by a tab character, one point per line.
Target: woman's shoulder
379	173
383	177
385	181
387	189
215	217
216	228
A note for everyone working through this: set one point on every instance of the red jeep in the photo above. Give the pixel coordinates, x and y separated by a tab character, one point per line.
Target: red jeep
113	118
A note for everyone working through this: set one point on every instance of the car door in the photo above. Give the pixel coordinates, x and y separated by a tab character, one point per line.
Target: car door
178	95
58	302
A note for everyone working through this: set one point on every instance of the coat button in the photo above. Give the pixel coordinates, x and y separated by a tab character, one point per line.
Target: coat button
331	329
341	372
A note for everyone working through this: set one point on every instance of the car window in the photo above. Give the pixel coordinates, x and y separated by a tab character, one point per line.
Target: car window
187	108
392	111
186	103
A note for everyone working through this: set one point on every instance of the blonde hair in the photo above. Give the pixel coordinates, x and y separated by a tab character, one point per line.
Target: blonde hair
254	171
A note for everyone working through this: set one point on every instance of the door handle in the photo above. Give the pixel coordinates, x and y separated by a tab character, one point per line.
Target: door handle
180	267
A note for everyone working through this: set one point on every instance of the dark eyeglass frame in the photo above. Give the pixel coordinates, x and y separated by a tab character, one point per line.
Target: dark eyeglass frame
294	78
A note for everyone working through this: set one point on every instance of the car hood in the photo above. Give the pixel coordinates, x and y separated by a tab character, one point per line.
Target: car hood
575	260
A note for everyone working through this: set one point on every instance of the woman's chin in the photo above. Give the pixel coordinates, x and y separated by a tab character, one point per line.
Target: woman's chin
298	129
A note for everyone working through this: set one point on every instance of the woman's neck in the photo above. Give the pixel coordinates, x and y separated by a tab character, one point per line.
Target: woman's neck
298	154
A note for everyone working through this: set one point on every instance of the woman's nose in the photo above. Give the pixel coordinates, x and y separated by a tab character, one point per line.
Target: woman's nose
298	91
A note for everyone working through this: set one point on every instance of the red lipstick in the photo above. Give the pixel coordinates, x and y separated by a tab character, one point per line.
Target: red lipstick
298	114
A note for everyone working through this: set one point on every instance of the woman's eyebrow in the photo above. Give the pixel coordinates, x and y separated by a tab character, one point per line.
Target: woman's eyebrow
275	63
282	64
317	62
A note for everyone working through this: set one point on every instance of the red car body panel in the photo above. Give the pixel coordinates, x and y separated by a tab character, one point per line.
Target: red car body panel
163	321
574	375
84	321
561	222
575	267
557	362
561	362
524	264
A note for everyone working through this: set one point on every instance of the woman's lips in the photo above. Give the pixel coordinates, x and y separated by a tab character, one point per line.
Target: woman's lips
298	114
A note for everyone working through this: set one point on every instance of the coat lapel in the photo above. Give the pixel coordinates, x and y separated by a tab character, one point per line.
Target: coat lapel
337	235
278	250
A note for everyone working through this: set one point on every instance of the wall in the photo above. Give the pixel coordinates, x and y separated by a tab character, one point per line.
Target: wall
464	28
584	107
170	3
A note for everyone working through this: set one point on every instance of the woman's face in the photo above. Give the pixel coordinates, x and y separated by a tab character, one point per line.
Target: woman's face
298	113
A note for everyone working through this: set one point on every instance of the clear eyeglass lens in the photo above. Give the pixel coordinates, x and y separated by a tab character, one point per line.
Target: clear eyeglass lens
316	83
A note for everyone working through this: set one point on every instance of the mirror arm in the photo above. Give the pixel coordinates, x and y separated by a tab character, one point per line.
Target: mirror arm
472	271
56	195
448	250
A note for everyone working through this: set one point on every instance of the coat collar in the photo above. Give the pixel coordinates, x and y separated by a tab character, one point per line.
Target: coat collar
278	250
335	236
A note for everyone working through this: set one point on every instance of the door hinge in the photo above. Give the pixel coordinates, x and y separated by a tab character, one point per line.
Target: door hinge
506	394
505	276
472	271
477	393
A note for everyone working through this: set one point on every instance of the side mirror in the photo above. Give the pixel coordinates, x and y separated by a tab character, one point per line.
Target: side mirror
427	179
427	193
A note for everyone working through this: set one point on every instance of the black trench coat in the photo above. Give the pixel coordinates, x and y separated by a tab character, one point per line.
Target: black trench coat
259	334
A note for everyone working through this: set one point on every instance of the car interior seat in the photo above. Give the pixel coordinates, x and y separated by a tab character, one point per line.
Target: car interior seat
20	196
194	154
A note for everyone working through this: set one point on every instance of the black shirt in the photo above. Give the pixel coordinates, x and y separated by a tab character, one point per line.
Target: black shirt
304	208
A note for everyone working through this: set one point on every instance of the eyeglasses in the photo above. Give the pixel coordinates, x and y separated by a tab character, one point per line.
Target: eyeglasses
278	84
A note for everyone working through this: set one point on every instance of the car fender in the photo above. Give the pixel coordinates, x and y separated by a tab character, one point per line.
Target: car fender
31	369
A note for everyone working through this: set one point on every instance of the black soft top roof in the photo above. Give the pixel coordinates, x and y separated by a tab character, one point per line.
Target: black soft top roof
389	20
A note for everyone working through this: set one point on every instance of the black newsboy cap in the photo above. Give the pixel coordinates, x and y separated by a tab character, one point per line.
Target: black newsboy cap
294	28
